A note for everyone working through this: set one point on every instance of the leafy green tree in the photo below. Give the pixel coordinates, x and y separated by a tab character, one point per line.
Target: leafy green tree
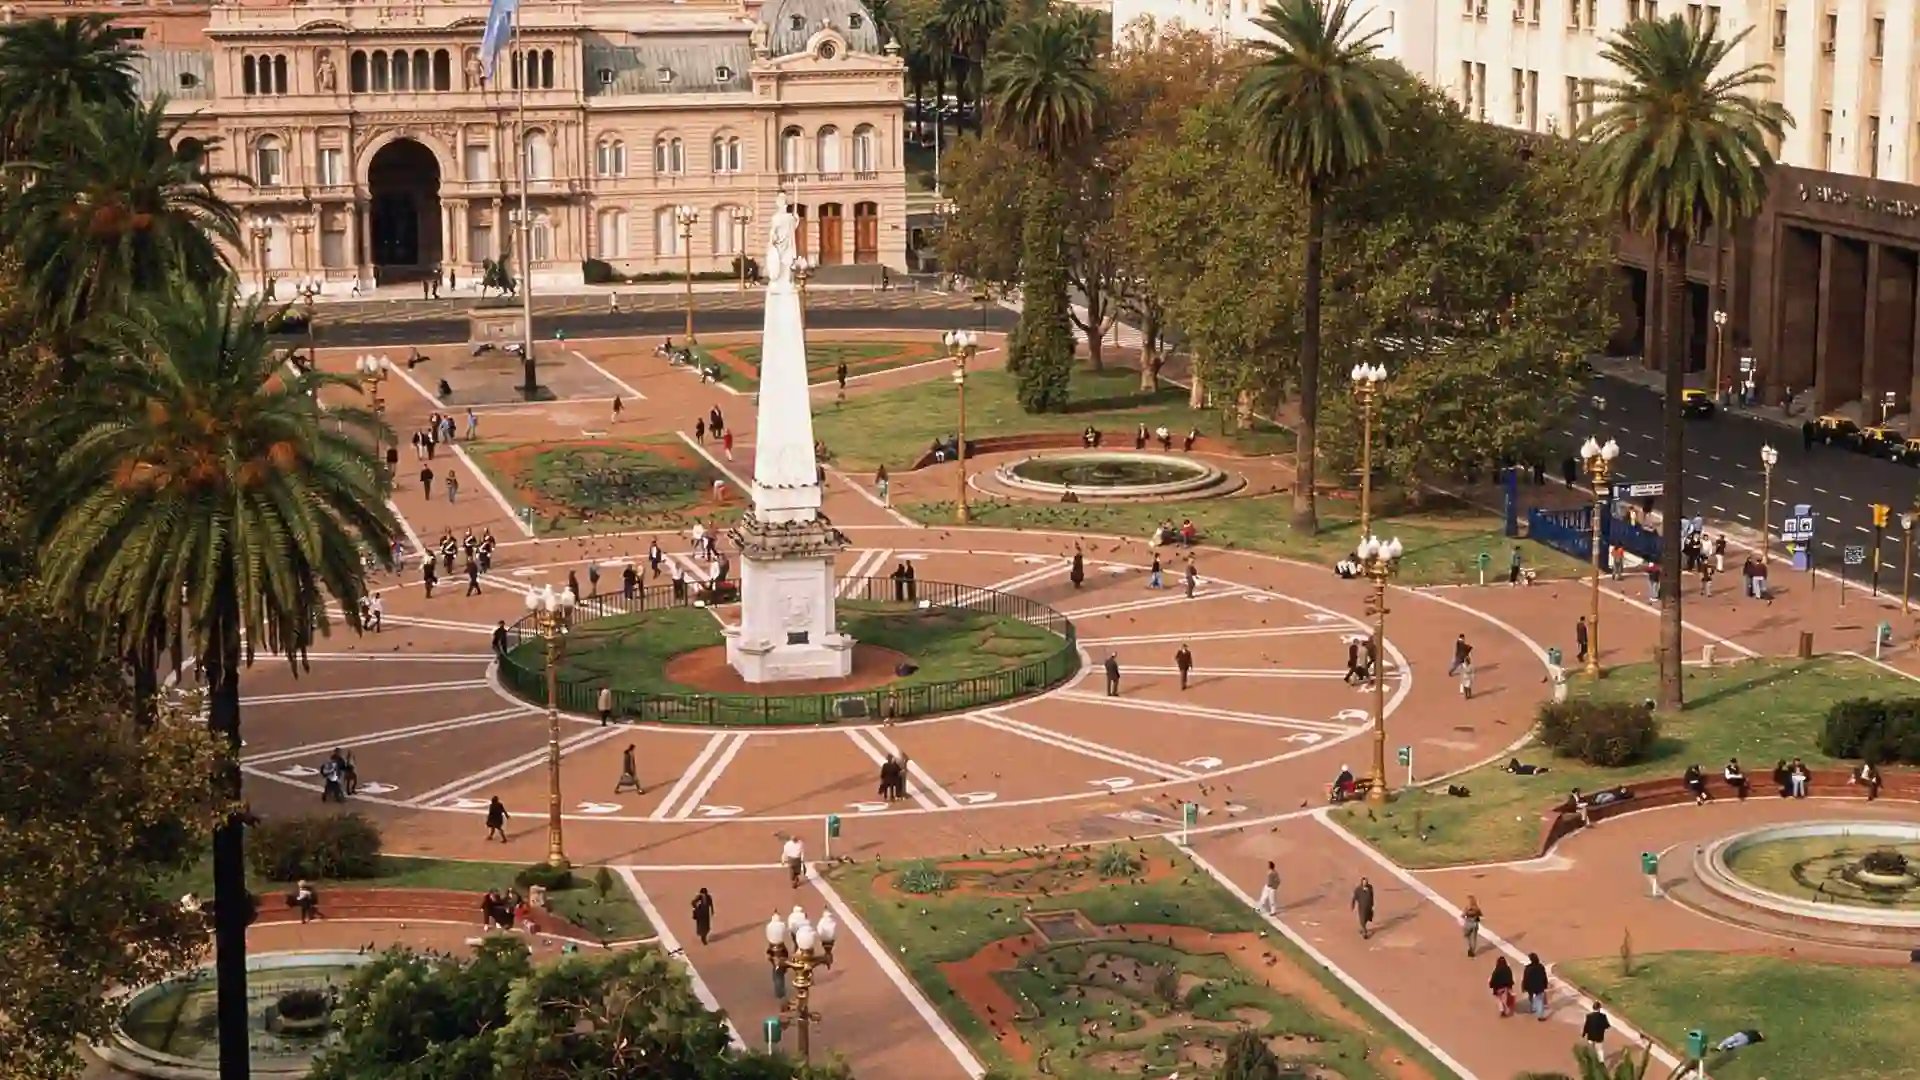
207	477
98	821
128	215
968	27
53	68
1319	98
1249	1057
1679	146
1040	352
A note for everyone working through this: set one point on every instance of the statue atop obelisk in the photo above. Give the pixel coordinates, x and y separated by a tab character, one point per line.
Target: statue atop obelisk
787	624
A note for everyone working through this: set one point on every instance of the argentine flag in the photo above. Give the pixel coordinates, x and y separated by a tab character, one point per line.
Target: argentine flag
500	17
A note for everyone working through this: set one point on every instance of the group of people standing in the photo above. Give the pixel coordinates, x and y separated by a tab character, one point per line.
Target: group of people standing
893	777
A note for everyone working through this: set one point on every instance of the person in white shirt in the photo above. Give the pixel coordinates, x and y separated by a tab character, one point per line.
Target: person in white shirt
377	608
795	856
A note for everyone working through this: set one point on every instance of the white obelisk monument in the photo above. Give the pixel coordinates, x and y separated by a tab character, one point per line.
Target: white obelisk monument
787	629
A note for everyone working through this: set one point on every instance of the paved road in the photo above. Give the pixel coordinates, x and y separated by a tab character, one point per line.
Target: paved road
443	331
1724	477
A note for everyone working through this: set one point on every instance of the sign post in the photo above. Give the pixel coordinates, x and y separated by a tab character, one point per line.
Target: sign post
1484	560
1797	530
1650	866
1189	817
833	833
1881	512
1854	555
770	1027
1406	758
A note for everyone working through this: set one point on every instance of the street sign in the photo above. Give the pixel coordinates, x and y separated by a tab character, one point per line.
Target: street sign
1639	491
1798	528
1746	363
1856	555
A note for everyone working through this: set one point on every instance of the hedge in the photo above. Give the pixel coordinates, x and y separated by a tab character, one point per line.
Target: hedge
333	847
1608	734
1885	731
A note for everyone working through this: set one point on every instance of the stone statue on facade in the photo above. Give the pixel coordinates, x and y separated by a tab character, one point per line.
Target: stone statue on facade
781	232
323	74
757	39
473	69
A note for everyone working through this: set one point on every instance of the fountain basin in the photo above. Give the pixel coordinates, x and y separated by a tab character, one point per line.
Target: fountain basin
168	1030
1099	475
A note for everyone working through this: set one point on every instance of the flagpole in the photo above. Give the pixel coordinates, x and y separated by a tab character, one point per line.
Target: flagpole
523	68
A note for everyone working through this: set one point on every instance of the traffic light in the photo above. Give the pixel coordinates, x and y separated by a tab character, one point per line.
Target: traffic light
1880	512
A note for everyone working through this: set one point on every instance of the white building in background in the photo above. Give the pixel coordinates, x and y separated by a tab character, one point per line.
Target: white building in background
1405	27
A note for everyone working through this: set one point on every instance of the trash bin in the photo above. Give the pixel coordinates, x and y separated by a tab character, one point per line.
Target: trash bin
1806	645
1707	653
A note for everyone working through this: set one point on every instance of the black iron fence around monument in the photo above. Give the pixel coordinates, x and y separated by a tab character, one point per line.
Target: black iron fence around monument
523	664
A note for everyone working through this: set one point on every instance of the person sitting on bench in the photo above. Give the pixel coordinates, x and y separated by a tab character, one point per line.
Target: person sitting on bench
306	899
1696	782
1868	776
1736	777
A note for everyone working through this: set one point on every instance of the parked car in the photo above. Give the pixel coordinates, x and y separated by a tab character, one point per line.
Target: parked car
1909	452
1881	442
1697	403
1835	430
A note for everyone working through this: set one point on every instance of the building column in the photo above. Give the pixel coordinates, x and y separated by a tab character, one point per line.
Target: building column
1796	306
352	213
1890	330
1838	363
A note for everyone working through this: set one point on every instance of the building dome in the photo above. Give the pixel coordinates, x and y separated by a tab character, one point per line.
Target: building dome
791	24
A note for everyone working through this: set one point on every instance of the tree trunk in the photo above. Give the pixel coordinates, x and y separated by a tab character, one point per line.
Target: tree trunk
233	908
1196	389
1306	517
530	381
1150	352
1672	248
1096	337
144	658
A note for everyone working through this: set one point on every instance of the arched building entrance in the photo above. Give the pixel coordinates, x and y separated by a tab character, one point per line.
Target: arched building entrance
404	182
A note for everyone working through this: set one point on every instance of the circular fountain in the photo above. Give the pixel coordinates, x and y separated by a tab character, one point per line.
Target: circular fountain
1115	475
1842	882
170	1031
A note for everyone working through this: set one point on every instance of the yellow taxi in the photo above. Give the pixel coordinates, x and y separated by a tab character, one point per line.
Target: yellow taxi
1835	430
1910	452
1881	442
1697	403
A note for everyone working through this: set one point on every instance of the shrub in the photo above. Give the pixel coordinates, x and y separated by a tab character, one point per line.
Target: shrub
1882	731
1115	861
1604	733
596	272
1249	1058
548	877
923	879
303	1004
333	846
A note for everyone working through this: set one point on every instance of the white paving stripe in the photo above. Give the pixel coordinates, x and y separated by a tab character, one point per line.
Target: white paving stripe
1001	722
697	790
1175	594
620	384
512	767
365	692
1249	673
690	775
1329	627
670	944
1199	712
290	753
859	738
922	778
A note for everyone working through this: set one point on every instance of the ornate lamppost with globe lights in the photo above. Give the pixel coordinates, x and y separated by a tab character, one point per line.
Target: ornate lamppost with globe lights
261	230
797	947
1769	457
1599	465
1367	380
1379	560
961	345
685	217
552	612
373	371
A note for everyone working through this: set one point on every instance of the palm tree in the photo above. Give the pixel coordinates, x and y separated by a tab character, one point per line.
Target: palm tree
969	26
1676	149
1045	94
205	469
127	214
50	68
1317	103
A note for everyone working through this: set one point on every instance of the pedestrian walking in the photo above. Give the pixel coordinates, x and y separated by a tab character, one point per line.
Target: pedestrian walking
1513	567
497	817
794	855
1501	983
1183	662
573	585
1356	674
473	578
605	705
629	774
1470	925
1462	655
702	915
726	443
1533	983
1653	582
1362	905
1580	632
473	424
1078	573
1466	679
1594	1029
1269	901
884	486
593	579
700	430
1193	578
1112	666
617	406
428	577
426	481
1153	575
500	638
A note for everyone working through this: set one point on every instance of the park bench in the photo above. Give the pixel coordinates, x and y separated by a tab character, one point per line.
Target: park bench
1561	820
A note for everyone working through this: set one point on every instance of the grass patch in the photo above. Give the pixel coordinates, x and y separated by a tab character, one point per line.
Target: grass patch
894	427
1443	548
617	918
607	485
1818	1019
1145	1008
740	364
631	652
1814	868
1757	710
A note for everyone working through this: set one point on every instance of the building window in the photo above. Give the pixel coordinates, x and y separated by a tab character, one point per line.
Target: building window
422	70
1826	140
666	232
480	240
537	156
865	161
1519	97
604	75
1480	91
797	22
333	248
1588	89
477	161
263	75
610	158
380	71
723	74
267	162
400	74
856	21
357	71
1779	28
1873	146
1713	18
1466	86
1467	8
1879	38
791	148
189	81
1653	10
546	69
1573	14
1693	16
535	66
542	242
1830	33
1533	101
827	149
332	167
442	70
613	234
1573	105
1633	10
726	154
669	155
1533	12
726	231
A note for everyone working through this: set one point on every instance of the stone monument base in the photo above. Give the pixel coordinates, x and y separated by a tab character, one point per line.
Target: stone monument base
779	661
497	326
788	629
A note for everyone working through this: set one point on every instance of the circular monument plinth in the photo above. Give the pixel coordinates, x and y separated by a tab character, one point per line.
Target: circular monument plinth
1115	476
707	671
1853	883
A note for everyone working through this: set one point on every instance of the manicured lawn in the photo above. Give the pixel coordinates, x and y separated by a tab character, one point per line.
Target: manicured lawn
1820	1020
1092	1007
605	485
631	652
1442	548
1811	868
741	363
895	427
618	918
1759	711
